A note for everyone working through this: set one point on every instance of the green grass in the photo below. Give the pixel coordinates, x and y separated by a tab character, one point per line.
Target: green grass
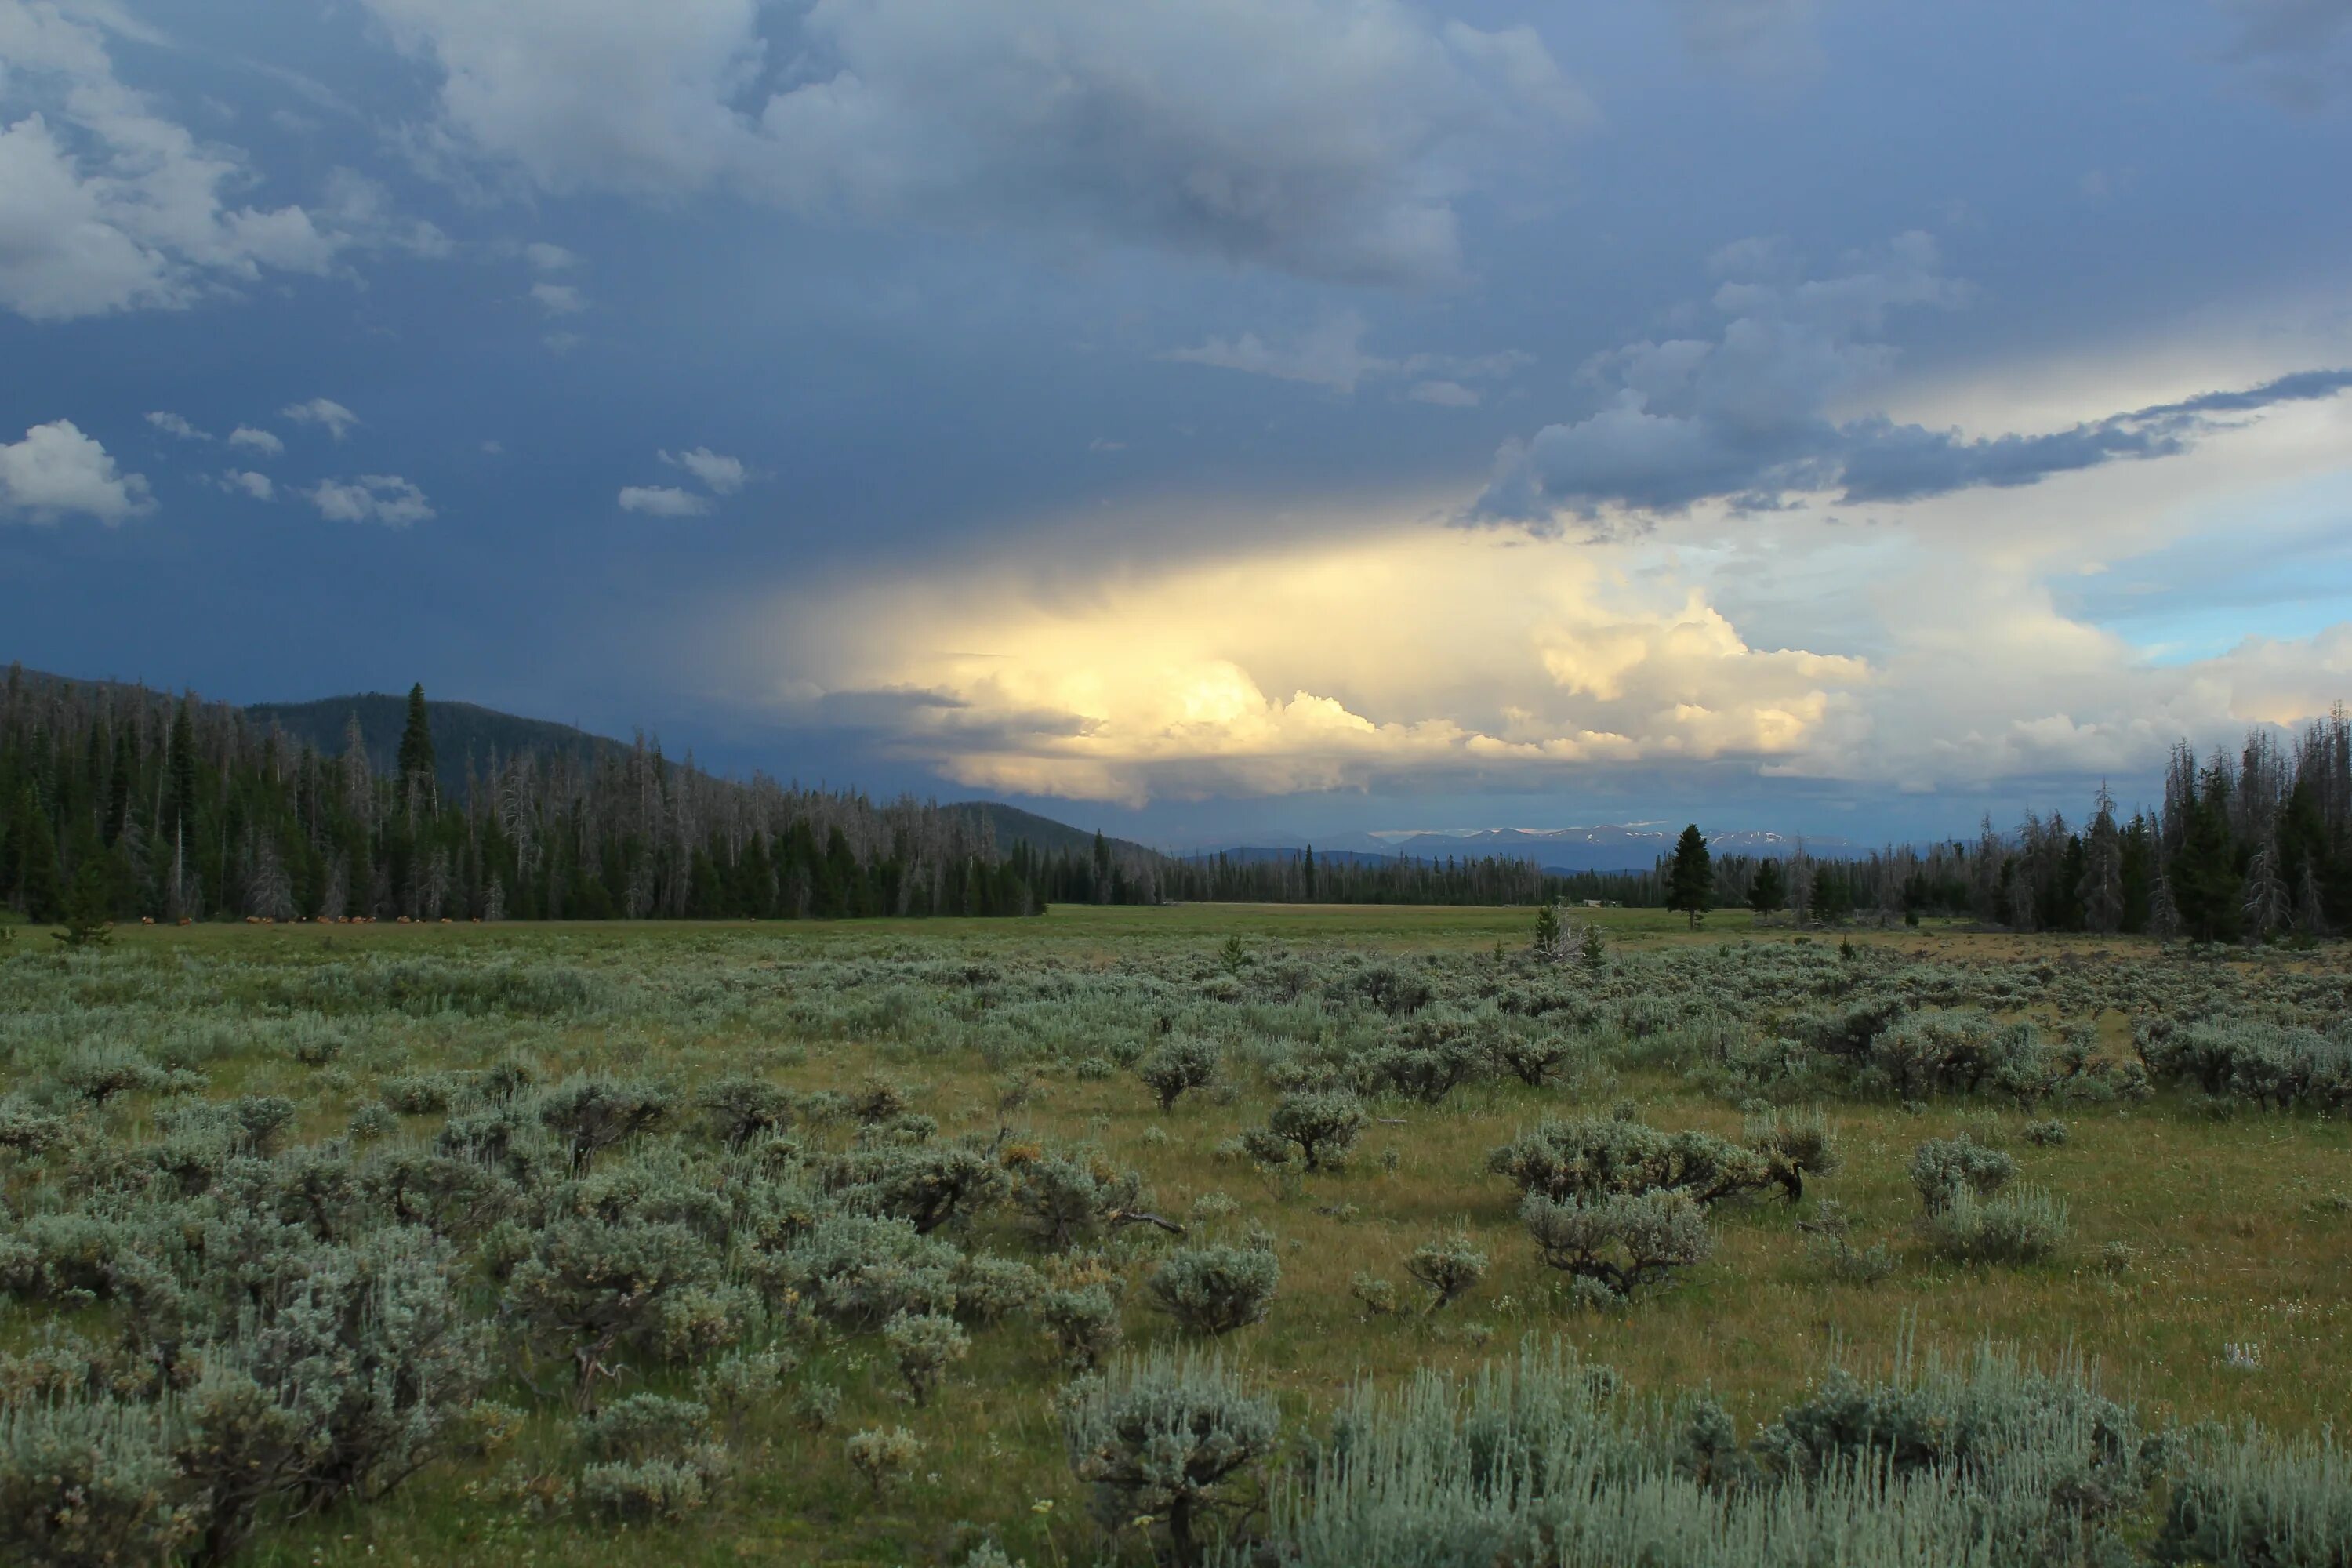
2241	1229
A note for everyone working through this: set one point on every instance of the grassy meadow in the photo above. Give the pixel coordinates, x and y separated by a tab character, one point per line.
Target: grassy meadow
2195	1221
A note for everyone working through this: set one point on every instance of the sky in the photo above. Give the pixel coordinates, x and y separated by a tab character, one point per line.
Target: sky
1216	421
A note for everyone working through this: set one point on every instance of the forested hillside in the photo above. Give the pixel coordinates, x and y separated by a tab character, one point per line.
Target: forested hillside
124	803
462	732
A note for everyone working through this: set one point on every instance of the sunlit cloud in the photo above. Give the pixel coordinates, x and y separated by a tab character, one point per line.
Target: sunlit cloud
1409	654
1936	645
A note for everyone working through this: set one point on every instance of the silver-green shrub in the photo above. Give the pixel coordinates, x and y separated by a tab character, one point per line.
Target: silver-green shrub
1215	1289
2025	1225
1943	1167
1162	1441
1622	1242
1317	1127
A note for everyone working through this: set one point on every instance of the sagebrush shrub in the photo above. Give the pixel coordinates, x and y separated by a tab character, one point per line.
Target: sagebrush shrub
1378	1297
989	1289
420	1094
1623	1241
1942	1167
1599	1157
1794	1144
1159	1439
1215	1289
372	1121
1532	1058
1317	1127
1068	1199
741	1109
592	1114
27	1129
1425	1063
651	1457
665	1489
929	1186
2079	1459
1176	1065
91	1484
645	1426
1449	1268
97	1073
858	1271
1084	1322
591	1286
2254	1504
884	1456
925	1345
2022	1226
815	1403
743	1381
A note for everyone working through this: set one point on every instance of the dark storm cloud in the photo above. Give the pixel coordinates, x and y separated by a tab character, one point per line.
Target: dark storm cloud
1741	417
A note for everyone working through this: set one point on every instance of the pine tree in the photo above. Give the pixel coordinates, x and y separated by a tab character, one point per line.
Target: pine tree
122	782
89	907
180	769
2203	875
2101	888
39	889
415	763
1769	892
1690	884
1548	932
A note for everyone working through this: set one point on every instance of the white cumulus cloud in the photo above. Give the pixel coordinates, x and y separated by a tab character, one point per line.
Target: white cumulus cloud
724	476
106	206
336	419
386	498
261	440
56	471
662	501
175	425
244	481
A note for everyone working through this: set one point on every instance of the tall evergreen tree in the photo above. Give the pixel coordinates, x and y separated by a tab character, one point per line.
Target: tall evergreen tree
1690	882
1769	892
39	883
2203	876
415	761
179	770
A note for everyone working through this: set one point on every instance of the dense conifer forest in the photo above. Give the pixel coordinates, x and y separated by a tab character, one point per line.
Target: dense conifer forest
126	803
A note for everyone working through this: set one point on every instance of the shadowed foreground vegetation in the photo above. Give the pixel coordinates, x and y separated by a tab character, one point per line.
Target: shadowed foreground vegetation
1186	1233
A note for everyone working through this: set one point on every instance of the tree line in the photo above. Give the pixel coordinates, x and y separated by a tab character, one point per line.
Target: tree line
132	803
2247	844
2251	845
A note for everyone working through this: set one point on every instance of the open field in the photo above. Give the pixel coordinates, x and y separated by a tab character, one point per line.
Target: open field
2196	1221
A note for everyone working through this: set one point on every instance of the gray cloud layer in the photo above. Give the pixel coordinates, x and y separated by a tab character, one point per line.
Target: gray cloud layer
1742	417
1323	137
2297	51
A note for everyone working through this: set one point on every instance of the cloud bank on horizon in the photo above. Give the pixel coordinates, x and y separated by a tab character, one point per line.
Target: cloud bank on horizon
1322	403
